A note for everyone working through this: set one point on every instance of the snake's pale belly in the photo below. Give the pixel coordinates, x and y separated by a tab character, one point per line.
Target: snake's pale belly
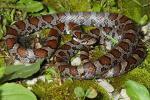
123	57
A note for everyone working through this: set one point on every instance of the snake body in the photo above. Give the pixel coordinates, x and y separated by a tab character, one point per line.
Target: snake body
123	57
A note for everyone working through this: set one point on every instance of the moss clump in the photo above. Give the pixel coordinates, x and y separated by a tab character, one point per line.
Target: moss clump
140	75
69	5
54	91
146	63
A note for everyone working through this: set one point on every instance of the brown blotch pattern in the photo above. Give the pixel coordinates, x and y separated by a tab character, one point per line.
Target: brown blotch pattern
130	63
113	16
73	26
84	56
21	25
130	36
47	18
61	26
124	46
123	19
52	43
33	21
116	53
66	47
129	26
22	52
53	32
107	29
59	59
140	53
104	60
10	42
11	31
60	15
41	53
73	70
61	53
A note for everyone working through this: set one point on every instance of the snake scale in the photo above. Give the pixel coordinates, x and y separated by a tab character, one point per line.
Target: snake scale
127	54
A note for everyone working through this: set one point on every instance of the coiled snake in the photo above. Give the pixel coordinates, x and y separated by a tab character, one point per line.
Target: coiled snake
128	53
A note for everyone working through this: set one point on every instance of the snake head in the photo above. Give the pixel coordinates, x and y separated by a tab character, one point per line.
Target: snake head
86	40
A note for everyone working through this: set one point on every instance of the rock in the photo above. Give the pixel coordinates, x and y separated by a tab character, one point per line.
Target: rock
31	82
76	61
123	95
108	87
146	31
42	78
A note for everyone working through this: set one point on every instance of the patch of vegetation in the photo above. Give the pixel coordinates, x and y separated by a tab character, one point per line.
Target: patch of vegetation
52	90
137	91
140	75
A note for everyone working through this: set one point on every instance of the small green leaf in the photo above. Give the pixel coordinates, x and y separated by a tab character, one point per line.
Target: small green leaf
2	61
2	70
79	92
24	1
143	20
12	91
51	71
91	93
133	9
96	7
2	67
137	2
34	6
48	77
20	71
136	91
113	40
1	32
9	1
51	10
30	5
12	13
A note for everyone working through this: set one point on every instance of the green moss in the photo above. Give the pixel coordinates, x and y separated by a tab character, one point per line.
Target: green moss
97	52
49	91
69	5
140	75
146	63
134	9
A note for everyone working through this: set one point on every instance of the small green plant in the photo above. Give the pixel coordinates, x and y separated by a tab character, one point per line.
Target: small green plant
51	73
81	94
2	67
137	91
2	71
30	5
13	91
19	71
13	10
135	10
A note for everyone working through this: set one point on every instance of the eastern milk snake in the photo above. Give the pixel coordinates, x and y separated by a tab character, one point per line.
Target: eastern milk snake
127	54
